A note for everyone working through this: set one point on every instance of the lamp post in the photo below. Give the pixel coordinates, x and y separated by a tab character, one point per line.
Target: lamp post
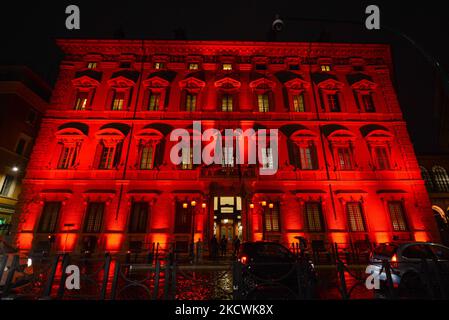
192	244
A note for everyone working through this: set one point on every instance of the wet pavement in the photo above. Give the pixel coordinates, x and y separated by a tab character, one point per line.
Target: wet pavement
203	281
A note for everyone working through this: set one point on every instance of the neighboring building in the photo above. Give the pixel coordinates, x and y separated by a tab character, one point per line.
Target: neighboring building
23	99
434	169
101	178
435	166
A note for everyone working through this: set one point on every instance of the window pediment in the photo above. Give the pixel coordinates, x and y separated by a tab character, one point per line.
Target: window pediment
341	137
192	83
227	83
85	81
149	135
297	84
70	135
331	85
156	82
364	85
262	83
120	82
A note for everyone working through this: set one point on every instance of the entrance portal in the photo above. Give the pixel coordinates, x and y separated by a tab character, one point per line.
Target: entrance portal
228	218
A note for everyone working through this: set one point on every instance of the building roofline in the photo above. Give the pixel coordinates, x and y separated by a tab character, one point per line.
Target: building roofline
79	45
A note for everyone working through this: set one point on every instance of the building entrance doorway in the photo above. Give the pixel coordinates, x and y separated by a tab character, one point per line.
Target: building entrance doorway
228	218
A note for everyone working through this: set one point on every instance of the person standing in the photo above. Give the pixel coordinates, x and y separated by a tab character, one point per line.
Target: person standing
223	245
213	247
236	245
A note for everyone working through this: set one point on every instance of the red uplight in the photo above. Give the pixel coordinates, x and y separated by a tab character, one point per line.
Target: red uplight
244	259
394	258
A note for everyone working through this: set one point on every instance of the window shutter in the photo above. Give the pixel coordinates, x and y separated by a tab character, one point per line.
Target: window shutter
159	153
98	152
118	154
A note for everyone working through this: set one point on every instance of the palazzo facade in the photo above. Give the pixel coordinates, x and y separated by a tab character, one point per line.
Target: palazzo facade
100	177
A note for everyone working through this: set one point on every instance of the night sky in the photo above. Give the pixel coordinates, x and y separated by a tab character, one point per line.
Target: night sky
28	31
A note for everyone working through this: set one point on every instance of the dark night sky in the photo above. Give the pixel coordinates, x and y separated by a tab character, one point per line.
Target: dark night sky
28	31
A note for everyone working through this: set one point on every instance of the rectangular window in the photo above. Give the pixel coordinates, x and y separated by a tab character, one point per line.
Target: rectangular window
226	103
333	102
263	102
294	66
314	217
119	101
325	68
187	159
397	216
49	217
267	158
298	103
355	217
344	158
261	66
193	66
92	65
183	218
228	157
306	157
227	66
81	100
368	102
146	160
190	102
107	157
6	188
21	146
94	217
125	65
381	155
272	218
139	217
159	65
153	101
68	157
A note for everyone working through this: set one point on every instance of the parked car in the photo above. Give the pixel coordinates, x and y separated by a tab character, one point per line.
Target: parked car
271	271
409	262
22	273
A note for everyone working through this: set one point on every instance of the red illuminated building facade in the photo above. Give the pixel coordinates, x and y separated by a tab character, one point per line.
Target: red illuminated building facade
100	176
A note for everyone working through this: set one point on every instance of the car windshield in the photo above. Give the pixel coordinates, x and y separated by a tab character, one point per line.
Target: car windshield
386	250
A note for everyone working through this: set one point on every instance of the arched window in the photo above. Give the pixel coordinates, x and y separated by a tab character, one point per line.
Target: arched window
427	178
441	178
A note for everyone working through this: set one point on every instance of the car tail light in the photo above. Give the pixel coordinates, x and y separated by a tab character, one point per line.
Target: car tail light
244	259
394	258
